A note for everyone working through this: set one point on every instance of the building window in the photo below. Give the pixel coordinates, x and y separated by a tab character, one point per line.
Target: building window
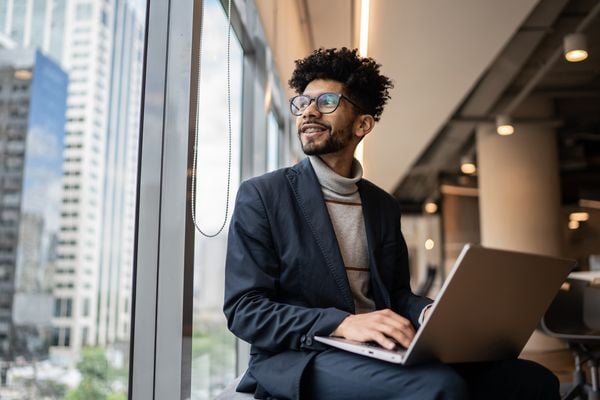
57	307
86	307
63	307
84	336
55	336
67	337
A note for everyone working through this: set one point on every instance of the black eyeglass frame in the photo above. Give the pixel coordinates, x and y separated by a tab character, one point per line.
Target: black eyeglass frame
316	100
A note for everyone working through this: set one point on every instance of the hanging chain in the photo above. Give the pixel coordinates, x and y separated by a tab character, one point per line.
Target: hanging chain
194	163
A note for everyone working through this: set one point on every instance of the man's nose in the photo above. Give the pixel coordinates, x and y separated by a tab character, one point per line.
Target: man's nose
311	110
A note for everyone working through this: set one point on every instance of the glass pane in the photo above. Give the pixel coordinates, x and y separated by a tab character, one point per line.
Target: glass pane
70	97
213	347
272	142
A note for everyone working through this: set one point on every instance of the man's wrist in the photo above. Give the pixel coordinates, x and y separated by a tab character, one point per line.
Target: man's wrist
339	330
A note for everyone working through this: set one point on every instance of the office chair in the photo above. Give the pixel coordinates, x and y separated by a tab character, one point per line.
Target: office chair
574	316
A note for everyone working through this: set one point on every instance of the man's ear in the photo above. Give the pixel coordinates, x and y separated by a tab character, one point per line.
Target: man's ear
364	124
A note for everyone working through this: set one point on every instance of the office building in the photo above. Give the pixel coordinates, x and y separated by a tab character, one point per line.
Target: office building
101	45
116	258
33	92
34	24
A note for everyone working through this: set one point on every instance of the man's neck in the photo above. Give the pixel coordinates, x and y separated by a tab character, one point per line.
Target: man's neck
339	164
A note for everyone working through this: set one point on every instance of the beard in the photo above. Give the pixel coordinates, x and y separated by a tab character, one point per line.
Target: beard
336	140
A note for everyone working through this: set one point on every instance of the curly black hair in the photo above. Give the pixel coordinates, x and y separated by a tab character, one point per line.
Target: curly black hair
360	76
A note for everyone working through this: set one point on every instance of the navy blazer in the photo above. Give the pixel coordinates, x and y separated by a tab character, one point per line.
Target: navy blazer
285	279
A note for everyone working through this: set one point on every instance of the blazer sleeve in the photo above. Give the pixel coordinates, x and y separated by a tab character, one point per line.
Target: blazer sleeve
404	301
253	296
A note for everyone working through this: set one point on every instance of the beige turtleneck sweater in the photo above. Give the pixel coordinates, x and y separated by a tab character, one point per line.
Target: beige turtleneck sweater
345	210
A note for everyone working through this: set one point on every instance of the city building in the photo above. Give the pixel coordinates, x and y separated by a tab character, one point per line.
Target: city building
116	258
100	44
33	91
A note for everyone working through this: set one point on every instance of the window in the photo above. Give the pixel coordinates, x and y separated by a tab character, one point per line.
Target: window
67	337
57	307
47	206
104	18
273	142
63	307
84	335
84	11
86	307
213	346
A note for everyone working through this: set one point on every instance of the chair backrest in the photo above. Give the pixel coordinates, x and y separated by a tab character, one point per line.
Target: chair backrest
575	312
591	307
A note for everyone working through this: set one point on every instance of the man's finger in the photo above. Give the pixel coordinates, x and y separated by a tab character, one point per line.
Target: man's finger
400	336
383	340
404	326
398	319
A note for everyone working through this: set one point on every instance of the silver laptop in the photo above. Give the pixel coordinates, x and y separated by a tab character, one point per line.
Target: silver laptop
486	310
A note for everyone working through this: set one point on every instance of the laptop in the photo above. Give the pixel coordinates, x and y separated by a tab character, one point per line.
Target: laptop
486	310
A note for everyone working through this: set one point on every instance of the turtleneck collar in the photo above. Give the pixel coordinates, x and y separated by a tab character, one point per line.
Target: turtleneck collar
334	182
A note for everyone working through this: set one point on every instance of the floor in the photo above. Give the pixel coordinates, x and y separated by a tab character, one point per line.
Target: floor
558	361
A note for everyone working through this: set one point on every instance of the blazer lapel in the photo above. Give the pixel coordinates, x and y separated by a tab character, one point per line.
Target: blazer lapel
371	217
306	188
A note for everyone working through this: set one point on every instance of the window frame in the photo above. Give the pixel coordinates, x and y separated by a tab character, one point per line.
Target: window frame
162	298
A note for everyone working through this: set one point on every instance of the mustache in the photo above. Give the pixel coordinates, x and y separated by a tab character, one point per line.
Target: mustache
313	122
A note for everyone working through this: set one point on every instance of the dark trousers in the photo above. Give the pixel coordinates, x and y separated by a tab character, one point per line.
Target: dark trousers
336	374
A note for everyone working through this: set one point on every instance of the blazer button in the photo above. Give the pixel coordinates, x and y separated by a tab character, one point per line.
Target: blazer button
302	339
308	341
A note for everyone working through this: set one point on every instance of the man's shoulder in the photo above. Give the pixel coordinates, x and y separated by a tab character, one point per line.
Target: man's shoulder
274	179
274	182
269	179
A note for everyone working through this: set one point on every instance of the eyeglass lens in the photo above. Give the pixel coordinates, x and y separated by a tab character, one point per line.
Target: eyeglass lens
326	103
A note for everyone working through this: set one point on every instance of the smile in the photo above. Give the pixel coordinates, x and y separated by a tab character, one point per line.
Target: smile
312	128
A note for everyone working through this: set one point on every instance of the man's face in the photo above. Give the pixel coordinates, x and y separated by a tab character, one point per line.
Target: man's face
320	133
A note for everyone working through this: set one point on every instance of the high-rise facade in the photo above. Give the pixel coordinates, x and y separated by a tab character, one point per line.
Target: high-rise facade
116	258
35	24
33	92
87	55
100	44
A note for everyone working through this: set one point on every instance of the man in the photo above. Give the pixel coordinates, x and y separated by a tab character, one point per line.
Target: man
316	250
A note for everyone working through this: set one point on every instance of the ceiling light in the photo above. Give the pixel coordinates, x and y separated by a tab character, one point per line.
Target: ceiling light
575	47
429	244
573	224
579	216
430	207
467	166
504	125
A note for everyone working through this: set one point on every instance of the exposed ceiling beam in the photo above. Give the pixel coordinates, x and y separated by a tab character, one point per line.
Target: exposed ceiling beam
535	79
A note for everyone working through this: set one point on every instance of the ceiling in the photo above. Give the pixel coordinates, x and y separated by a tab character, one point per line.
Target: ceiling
434	52
455	65
572	90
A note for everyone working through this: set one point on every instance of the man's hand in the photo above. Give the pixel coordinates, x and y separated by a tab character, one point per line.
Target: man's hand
377	326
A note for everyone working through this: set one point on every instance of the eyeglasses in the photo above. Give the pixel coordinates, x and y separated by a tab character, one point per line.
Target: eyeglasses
326	103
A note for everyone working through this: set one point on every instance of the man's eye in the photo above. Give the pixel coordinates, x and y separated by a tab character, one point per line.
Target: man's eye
301	103
328	100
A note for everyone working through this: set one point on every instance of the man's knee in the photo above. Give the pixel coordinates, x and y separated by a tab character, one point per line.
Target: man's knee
538	380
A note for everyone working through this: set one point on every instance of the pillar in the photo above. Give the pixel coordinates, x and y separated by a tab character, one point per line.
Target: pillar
519	196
